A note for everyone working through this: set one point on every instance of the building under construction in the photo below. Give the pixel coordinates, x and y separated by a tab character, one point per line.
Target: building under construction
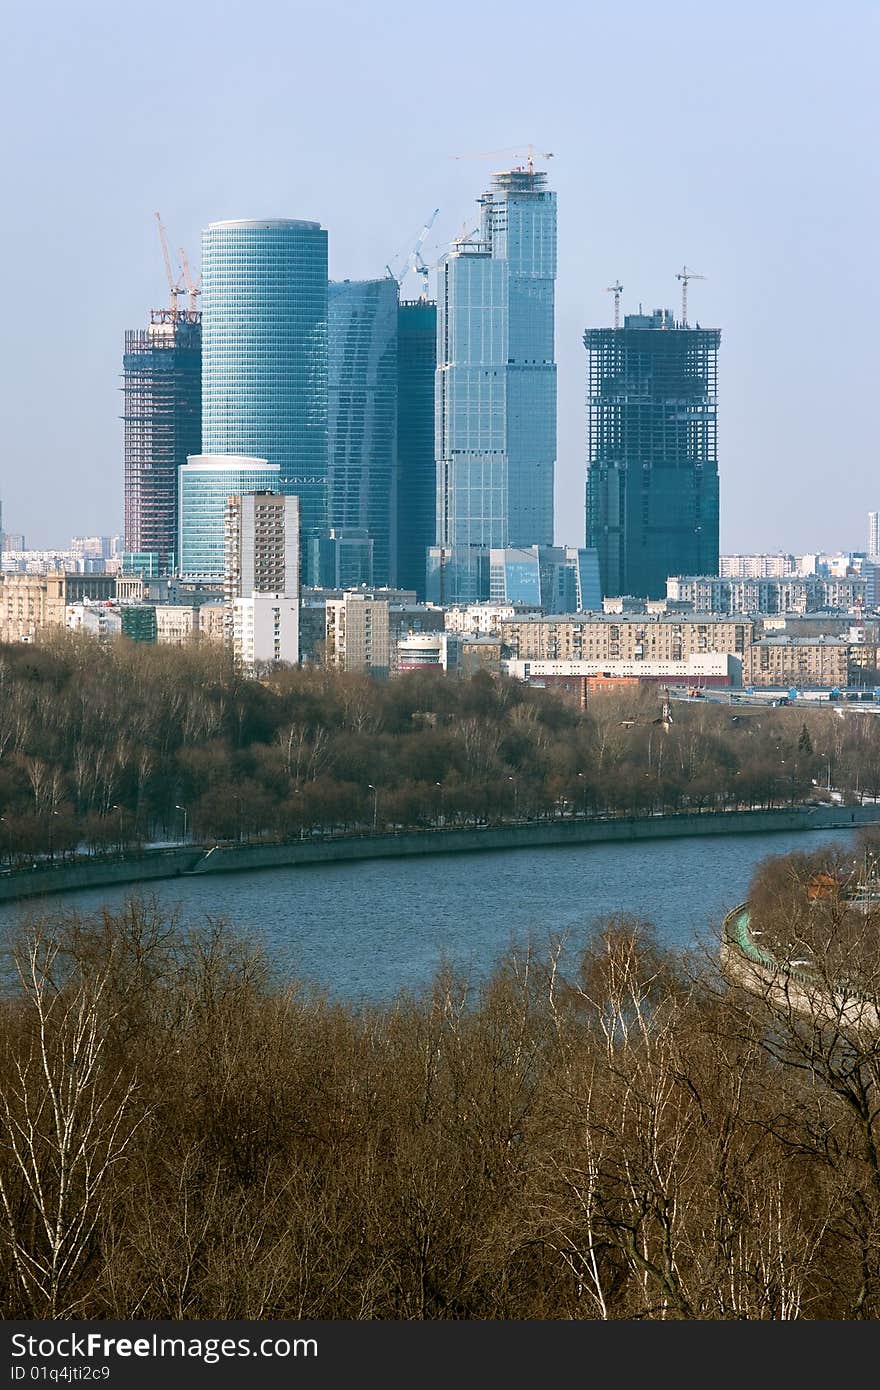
652	476
162	370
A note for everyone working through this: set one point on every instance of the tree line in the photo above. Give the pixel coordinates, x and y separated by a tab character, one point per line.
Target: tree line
617	1131
107	746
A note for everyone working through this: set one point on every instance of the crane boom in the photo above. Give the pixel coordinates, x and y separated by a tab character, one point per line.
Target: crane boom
173	286
530	154
194	289
616	289
684	275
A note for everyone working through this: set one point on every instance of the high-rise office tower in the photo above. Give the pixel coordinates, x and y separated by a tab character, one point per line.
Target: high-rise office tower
206	482
874	533
416	469
264	373
495	441
362	455
652	475
162	411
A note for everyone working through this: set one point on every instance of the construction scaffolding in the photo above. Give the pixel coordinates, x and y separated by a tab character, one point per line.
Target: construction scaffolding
162	413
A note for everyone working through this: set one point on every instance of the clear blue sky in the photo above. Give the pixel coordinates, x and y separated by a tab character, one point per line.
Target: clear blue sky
739	138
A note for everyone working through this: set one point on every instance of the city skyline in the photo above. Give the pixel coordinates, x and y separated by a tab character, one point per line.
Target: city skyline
767	197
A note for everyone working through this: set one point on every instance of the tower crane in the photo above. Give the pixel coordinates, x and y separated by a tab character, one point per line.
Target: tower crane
173	285
414	260
684	275
617	290
530	154
193	288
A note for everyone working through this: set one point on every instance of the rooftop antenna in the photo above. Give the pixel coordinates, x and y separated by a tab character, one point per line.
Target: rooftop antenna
684	275
616	289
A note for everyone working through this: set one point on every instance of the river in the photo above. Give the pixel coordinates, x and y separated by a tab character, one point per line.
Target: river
363	931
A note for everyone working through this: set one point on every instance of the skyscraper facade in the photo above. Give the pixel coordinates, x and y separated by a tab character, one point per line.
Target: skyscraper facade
206	482
652	475
874	533
495	410
264	375
162	411
362	427
416	469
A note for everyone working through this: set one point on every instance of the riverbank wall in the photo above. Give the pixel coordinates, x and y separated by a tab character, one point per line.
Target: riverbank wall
236	858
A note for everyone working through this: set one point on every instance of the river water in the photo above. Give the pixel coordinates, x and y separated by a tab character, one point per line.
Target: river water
363	931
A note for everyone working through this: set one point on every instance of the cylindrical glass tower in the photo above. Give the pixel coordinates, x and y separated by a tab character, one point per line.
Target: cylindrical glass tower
264	351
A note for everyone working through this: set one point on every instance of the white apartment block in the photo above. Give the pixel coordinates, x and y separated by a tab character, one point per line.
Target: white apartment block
265	630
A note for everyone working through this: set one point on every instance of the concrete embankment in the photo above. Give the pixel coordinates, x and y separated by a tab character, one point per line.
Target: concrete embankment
235	858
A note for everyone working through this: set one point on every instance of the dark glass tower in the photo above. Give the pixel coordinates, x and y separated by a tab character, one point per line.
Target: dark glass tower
652	474
162	374
362	416
417	472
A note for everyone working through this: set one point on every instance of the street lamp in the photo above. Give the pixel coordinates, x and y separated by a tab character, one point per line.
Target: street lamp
515	797
183	809
375	792
584	783
442	819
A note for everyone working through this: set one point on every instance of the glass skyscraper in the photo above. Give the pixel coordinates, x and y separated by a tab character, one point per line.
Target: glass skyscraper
416	469
264	352
652	476
362	455
205	482
495	421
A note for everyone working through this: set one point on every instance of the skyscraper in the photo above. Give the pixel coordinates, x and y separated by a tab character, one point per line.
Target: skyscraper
162	411
206	482
874	533
416	469
652	475
264	305
495	440
362	456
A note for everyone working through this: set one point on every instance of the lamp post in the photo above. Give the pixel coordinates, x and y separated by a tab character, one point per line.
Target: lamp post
375	792
183	809
441	818
117	807
515	797
583	781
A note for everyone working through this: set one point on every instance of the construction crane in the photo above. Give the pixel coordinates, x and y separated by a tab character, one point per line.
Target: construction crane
173	285
530	154
193	289
617	290
414	260
684	275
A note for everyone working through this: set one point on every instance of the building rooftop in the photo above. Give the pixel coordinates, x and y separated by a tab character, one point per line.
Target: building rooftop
261	224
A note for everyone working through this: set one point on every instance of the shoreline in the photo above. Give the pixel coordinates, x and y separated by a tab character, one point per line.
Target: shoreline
185	861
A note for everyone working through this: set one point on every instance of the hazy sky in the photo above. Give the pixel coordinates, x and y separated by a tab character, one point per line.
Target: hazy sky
739	138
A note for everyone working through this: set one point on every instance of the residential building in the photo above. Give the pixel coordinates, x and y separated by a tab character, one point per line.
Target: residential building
261	535
495	403
625	637
265	630
264	376
652	476
362	418
206	481
782	594
416	467
756	566
357	634
162	411
800	661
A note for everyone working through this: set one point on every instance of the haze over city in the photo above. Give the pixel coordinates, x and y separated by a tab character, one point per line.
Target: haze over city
736	142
